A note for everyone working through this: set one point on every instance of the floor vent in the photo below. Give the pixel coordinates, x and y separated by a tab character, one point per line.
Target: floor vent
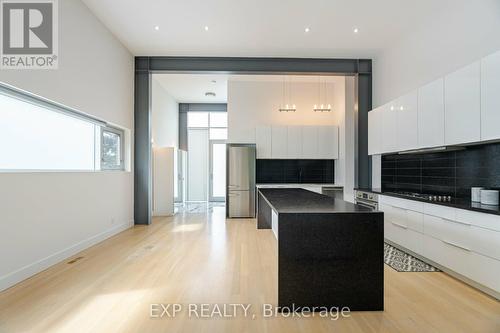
74	260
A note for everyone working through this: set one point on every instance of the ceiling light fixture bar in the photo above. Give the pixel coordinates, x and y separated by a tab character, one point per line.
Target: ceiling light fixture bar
323	107
286	105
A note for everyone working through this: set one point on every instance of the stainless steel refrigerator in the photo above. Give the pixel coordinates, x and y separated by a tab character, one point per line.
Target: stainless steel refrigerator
240	180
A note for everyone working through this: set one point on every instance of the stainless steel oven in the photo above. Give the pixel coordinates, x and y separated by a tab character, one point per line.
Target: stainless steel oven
366	199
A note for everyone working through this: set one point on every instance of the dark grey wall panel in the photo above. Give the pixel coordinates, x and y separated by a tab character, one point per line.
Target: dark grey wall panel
183	130
364	105
142	144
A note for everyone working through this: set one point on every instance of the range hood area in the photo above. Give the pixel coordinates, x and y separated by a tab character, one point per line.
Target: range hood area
432	150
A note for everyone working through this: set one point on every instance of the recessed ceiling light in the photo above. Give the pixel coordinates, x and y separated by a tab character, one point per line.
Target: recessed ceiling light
157	27
307	29
206	28
355	30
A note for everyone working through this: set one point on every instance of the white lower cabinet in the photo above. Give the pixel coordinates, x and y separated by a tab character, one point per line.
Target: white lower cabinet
465	242
400	227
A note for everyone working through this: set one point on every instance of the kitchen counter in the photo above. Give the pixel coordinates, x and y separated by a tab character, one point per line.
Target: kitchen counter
454	203
295	185
296	200
330	252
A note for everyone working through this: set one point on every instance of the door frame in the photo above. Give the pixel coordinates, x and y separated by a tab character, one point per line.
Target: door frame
211	171
187	164
146	66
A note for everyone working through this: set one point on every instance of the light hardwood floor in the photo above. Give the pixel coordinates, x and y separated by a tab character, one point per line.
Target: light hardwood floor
202	258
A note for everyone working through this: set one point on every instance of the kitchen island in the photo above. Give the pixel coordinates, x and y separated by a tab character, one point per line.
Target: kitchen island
330	252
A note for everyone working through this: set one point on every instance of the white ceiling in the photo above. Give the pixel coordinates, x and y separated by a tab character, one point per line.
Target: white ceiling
263	27
191	88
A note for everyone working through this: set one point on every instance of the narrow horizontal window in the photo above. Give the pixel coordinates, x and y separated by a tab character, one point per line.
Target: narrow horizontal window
40	135
35	138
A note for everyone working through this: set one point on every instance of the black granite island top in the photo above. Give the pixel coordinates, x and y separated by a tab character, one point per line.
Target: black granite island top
460	203
330	252
297	200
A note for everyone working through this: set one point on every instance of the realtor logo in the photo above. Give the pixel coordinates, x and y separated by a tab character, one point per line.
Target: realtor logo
29	34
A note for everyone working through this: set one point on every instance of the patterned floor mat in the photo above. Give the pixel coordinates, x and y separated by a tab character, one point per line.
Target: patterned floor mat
403	262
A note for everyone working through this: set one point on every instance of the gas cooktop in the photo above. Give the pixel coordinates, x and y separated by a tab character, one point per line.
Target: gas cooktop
423	196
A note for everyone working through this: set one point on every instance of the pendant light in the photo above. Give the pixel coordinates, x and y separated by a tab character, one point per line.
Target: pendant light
286	104
323	106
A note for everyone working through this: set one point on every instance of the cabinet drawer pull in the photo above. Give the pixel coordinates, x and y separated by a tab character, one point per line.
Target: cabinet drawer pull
456	245
453	221
399	225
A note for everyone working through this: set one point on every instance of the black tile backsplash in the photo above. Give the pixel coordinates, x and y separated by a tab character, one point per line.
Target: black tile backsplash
295	171
447	173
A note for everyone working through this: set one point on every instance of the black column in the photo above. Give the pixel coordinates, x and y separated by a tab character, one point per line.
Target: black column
142	143
364	105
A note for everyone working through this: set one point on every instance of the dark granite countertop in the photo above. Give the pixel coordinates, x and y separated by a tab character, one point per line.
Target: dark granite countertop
296	200
455	203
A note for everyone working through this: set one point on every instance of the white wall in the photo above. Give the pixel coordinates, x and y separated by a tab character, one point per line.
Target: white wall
466	32
165	117
46	217
345	167
254	103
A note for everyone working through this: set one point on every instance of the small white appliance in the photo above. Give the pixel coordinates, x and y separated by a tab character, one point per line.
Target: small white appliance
489	197
476	194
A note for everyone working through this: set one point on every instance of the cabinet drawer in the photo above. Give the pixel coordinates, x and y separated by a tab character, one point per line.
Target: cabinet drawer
485	242
451	232
402	203
476	267
440	211
488	221
454	258
485	270
395	215
415	221
394	231
403	236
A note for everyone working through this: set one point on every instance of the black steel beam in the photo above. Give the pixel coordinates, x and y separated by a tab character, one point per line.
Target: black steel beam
145	66
255	65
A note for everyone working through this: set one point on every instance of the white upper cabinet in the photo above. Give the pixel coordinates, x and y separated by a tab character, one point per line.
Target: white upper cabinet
263	141
328	147
389	128
279	141
294	144
490	97
407	121
462	103
375	131
431	114
309	142
297	142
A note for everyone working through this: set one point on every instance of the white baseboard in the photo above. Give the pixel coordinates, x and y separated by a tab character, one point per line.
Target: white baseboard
27	271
